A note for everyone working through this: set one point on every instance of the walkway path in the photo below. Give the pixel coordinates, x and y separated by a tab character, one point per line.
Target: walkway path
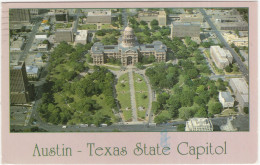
132	94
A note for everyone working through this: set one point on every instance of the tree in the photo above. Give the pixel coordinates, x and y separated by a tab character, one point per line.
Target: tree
181	127
154	23
201	112
100	33
162	98
155	107
143	23
246	110
139	65
228	69
200	89
144	96
214	107
163	117
185	113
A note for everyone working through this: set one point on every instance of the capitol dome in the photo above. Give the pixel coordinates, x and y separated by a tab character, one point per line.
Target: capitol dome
128	31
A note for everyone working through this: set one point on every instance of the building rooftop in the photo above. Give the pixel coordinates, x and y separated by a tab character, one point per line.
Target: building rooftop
199	124
99	13
18	65
42	46
227	96
32	69
38	55
221	53
81	35
18	43
241	85
186	24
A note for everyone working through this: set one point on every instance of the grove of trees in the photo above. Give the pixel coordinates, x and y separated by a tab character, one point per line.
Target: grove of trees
68	99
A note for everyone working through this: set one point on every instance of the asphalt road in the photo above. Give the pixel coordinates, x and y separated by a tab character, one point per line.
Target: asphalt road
75	27
29	42
242	67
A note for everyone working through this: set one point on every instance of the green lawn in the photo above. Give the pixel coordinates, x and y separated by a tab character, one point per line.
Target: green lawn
228	112
87	27
127	115
141	90
112	68
62	25
106	26
123	96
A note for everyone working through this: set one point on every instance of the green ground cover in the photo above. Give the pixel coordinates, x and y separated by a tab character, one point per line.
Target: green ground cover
123	96
141	95
106	26
87	27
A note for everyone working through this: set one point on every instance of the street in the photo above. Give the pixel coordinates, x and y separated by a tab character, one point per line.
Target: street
242	67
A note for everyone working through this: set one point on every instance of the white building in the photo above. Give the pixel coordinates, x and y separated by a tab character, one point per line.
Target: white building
220	56
240	89
41	36
81	37
43	47
199	124
32	71
226	99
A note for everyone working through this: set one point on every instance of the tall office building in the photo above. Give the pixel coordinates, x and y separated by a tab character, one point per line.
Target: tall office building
19	15
20	89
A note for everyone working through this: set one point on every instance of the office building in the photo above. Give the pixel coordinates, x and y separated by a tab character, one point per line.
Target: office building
240	89
220	56
226	99
64	35
17	45
187	29
20	89
61	16
19	16
148	16
81	37
99	16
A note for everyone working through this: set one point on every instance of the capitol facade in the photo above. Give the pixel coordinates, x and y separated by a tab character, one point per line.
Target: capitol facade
128	50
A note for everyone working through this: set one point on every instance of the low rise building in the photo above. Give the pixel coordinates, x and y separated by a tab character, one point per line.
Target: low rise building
148	16
232	38
99	16
43	47
41	36
226	99
199	124
32	71
187	29
81	37
220	56
240	89
17	45
64	35
187	17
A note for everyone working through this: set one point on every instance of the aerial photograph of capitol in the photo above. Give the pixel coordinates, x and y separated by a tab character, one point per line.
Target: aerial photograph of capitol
129	70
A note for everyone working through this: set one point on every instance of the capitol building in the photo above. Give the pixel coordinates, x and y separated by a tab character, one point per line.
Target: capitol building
128	50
